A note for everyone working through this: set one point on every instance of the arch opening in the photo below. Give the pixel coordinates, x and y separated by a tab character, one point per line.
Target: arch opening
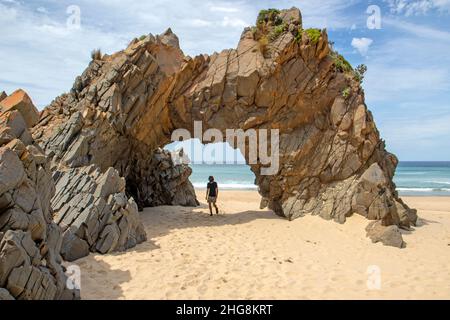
227	165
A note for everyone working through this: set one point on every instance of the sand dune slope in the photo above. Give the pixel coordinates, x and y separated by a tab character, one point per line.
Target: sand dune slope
247	253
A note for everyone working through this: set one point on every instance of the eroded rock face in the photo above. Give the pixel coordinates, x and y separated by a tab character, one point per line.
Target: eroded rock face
30	242
333	162
94	212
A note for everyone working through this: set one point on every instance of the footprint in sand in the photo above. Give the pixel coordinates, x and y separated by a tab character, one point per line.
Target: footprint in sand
202	289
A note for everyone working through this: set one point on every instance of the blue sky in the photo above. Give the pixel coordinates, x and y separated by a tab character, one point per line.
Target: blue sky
407	84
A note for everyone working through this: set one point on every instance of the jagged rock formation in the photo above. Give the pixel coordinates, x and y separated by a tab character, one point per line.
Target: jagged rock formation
94	212
30	242
165	181
332	160
90	203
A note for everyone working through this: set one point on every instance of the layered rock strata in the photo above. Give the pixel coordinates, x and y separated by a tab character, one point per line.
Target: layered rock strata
30	242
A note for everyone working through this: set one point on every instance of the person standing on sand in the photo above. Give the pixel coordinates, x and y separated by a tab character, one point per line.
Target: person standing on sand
212	191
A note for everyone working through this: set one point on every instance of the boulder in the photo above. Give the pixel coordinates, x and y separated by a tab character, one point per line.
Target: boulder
73	248
20	101
387	235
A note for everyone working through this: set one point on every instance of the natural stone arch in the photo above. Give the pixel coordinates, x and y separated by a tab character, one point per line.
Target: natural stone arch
333	162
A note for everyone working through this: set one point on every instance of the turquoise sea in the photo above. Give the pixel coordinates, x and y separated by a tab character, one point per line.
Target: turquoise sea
411	178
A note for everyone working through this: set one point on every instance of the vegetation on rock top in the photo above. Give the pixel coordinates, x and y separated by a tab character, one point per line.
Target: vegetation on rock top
272	15
340	62
96	54
313	34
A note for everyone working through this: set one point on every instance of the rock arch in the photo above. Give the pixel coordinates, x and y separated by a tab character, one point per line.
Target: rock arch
125	106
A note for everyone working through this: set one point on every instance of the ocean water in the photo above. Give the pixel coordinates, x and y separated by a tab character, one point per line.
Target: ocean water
228	176
423	178
411	178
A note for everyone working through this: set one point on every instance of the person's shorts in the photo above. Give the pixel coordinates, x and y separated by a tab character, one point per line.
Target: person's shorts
212	199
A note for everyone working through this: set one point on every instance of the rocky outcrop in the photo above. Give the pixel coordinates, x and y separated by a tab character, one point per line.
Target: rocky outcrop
90	204
387	235
94	212
164	181
333	162
30	242
20	101
86	143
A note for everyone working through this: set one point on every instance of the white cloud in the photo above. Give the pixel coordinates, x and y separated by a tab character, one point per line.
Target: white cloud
200	23
417	7
406	69
407	87
223	9
43	56
234	22
42	10
362	45
418	30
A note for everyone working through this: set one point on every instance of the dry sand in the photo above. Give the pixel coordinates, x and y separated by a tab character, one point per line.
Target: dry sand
247	253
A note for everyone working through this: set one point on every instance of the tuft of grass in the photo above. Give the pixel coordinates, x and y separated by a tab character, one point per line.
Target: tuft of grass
96	54
142	37
278	30
341	64
313	35
346	92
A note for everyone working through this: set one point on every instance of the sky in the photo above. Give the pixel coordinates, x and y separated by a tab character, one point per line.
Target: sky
44	45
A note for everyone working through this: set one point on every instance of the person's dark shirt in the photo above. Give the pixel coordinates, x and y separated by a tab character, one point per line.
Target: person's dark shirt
212	187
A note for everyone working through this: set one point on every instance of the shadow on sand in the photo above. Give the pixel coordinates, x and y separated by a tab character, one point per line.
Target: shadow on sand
103	273
160	221
176	217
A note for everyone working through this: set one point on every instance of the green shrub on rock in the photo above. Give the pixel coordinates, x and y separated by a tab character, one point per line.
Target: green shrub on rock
278	30
341	64
313	35
265	16
360	72
346	93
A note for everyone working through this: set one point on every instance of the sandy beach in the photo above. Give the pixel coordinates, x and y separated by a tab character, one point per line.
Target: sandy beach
248	253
